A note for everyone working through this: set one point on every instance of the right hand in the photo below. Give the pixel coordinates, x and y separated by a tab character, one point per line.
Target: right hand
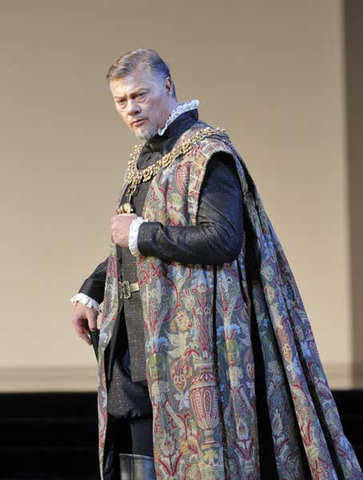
84	319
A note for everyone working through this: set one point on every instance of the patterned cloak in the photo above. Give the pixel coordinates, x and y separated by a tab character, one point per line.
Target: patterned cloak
199	322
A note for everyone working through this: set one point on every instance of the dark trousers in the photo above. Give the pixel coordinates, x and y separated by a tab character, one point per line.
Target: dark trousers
133	435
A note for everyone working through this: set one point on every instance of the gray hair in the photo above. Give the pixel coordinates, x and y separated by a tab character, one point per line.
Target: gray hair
147	57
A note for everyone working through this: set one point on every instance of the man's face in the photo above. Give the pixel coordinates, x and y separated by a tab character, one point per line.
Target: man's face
143	100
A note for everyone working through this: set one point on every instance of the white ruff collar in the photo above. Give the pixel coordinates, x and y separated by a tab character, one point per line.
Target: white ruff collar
181	108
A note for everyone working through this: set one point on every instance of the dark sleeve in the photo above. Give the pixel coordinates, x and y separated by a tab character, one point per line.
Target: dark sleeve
217	237
94	285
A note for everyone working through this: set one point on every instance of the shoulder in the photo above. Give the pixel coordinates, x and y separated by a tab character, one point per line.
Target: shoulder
202	142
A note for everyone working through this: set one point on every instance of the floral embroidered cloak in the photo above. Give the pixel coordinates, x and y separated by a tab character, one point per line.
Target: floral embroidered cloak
200	348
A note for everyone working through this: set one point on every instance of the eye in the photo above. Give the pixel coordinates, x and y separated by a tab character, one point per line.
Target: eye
141	95
121	103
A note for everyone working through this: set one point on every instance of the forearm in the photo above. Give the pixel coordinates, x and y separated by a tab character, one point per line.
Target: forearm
205	243
94	285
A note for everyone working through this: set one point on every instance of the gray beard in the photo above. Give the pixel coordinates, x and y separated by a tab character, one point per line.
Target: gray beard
148	134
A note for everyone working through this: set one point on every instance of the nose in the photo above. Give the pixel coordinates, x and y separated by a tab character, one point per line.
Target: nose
133	107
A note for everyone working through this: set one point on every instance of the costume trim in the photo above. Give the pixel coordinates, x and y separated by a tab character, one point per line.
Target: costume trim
180	109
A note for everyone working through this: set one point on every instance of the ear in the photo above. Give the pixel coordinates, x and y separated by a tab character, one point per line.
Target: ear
169	86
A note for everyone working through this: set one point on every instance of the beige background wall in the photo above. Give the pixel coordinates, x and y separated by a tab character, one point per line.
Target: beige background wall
353	15
271	73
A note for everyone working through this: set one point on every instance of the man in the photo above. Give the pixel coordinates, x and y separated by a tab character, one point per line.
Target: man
205	348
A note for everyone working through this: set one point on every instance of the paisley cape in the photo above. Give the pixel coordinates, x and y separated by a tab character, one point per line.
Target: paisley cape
199	346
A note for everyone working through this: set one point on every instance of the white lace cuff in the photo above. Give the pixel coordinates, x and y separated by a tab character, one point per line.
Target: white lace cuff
86	300
133	234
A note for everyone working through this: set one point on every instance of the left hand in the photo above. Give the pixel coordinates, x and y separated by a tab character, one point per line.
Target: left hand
120	228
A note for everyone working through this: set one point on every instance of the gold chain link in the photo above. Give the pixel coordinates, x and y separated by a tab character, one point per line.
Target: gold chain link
134	176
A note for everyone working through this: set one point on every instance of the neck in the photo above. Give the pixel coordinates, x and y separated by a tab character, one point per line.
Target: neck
177	110
173	103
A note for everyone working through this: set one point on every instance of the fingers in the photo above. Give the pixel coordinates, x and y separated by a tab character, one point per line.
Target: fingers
84	319
86	338
123	215
120	227
122	220
82	332
92	315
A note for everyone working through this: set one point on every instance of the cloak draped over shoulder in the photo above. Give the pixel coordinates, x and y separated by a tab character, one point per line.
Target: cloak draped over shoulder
211	330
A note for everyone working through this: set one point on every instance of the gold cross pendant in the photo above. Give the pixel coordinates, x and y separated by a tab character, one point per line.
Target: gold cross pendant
125	208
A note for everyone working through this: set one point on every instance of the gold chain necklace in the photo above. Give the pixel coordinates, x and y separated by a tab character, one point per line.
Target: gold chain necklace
134	176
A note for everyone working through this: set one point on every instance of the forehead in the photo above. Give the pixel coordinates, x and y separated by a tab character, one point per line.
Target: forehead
139	78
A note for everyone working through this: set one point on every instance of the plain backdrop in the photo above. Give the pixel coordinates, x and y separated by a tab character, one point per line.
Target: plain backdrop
271	73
